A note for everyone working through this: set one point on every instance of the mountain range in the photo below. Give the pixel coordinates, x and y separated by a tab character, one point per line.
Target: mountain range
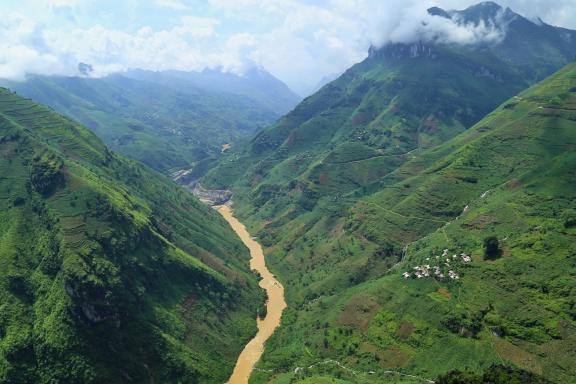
168	120
419	211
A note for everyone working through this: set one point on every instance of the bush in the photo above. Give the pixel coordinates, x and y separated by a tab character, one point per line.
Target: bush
464	325
496	374
569	218
19	201
492	248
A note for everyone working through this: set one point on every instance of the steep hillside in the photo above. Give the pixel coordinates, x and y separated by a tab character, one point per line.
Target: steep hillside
374	169
463	257
165	125
110	273
403	98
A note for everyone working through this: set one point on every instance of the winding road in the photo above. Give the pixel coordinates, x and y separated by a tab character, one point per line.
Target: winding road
275	304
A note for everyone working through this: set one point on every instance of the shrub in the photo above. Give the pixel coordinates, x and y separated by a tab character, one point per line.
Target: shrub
492	248
464	325
569	218
262	311
496	374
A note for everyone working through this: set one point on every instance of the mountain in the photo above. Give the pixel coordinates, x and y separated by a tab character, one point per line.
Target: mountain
256	84
402	98
322	82
110	272
525	40
158	118
370	176
460	258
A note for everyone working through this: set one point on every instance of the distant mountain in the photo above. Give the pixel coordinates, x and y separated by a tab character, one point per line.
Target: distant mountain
162	119
110	272
256	84
406	154
535	47
323	81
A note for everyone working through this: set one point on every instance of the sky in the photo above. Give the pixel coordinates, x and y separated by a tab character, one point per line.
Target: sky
298	41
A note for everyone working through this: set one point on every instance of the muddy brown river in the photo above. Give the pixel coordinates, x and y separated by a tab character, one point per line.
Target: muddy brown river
275	305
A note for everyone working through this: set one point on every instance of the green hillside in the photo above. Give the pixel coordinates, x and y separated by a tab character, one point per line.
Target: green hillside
502	193
402	99
166	126
110	272
391	164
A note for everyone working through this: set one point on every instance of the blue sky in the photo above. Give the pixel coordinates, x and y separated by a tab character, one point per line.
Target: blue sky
299	41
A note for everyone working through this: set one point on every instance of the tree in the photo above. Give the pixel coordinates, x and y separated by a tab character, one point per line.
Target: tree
569	218
491	248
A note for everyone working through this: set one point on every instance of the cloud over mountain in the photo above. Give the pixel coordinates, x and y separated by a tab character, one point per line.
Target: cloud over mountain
296	40
414	23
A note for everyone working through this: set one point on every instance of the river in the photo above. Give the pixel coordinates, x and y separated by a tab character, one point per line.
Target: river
275	304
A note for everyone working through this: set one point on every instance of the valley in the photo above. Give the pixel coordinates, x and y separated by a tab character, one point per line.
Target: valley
172	212
168	120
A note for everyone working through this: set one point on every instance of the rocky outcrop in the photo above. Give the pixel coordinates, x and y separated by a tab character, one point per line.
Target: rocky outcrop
211	196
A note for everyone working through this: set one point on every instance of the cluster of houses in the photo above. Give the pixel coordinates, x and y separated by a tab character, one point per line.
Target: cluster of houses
445	267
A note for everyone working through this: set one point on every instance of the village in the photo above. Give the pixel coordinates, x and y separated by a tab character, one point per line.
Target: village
445	268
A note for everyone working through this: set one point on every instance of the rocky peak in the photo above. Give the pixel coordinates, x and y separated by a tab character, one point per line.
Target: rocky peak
487	12
486	7
437	11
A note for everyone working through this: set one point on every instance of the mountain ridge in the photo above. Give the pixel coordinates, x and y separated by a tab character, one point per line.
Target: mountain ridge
256	83
166	126
344	262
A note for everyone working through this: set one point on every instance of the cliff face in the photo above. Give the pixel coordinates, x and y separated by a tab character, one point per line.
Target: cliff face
399	51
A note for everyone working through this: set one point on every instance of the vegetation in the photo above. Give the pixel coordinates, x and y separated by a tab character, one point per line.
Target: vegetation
491	248
361	183
344	264
494	375
110	272
164	121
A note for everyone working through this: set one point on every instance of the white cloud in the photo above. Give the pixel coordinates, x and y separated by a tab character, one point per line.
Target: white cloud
61	3
297	40
415	24
172	4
